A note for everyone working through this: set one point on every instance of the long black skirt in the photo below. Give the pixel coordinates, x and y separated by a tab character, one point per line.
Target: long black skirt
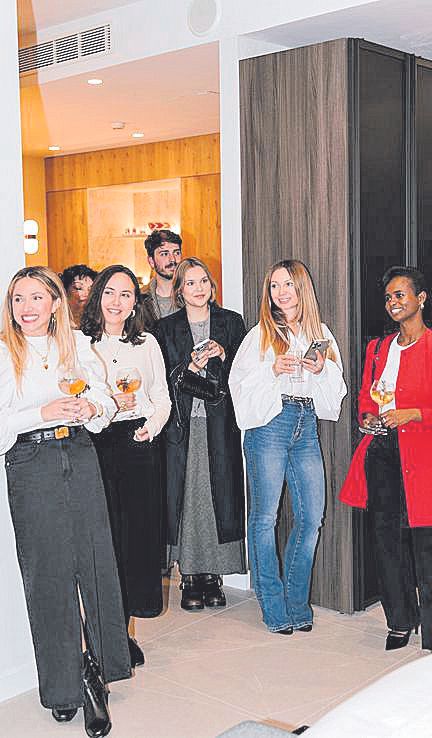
133	484
65	551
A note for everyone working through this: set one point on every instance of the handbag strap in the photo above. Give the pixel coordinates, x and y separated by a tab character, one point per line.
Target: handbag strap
375	356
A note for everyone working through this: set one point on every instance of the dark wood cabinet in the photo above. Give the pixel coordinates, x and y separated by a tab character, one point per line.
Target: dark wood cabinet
337	171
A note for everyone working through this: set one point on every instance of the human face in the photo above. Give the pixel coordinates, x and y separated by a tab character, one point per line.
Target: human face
117	303
196	288
79	290
32	306
284	294
401	301
165	259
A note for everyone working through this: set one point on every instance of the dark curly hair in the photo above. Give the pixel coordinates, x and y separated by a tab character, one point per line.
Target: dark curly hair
92	321
77	271
157	238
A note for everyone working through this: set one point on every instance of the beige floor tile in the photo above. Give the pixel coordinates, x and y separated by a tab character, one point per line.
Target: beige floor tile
209	670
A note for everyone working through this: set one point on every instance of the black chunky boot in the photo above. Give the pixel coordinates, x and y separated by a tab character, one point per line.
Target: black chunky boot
192	593
214	595
64	714
96	716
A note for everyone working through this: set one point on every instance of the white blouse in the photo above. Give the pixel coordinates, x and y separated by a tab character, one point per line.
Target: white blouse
20	409
391	369
153	400
257	393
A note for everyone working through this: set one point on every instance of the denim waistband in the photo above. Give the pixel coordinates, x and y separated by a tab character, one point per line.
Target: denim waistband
306	401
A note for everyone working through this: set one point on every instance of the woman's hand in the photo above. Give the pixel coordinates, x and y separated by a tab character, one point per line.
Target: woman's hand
370	421
141	434
315	366
125	401
65	408
284	364
395	418
215	349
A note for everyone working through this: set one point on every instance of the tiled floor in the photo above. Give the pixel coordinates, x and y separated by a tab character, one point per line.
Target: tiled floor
208	671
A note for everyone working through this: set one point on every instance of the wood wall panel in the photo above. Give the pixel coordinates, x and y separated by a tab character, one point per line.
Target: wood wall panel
294	146
183	157
200	219
67	228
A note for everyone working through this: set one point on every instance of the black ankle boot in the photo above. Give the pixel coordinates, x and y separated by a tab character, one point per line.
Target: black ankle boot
136	654
397	639
192	593
96	716
213	593
64	714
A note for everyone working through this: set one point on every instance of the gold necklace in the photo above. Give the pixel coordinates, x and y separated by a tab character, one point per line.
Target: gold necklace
44	357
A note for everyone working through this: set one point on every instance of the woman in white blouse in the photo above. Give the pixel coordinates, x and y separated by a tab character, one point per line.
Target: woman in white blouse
129	450
277	398
57	500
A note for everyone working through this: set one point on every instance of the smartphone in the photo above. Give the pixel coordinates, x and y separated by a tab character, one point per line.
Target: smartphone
320	344
201	346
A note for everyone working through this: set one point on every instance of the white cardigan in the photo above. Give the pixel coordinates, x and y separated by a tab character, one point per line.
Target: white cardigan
257	393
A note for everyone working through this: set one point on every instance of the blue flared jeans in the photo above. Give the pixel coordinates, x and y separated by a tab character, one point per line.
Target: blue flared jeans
287	448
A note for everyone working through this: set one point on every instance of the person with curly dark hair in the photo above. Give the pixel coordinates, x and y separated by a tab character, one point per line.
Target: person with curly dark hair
77	281
164	254
129	450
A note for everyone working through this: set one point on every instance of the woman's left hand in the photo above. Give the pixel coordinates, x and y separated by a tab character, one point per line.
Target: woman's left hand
86	411
141	434
394	418
215	349
315	366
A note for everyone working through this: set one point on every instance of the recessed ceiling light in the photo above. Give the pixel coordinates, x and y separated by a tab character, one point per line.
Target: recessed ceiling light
137	134
95	81
53	148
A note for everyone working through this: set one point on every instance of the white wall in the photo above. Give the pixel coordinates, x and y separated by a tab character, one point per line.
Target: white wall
17	669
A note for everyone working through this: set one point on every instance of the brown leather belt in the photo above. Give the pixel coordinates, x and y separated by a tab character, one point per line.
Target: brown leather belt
49	434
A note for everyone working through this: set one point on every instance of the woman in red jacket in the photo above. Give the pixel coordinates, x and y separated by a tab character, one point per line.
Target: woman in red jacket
391	472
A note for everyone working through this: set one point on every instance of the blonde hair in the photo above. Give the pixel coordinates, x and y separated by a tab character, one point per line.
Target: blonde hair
60	328
274	331
180	277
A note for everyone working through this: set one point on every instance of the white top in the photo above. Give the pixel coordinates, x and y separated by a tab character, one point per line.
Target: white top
257	393
153	400
391	369
20	411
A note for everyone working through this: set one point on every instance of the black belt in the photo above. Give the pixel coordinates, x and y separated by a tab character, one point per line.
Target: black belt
307	401
49	434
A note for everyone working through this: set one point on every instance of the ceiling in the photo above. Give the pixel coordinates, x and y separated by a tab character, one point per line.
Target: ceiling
401	24
38	14
176	94
169	96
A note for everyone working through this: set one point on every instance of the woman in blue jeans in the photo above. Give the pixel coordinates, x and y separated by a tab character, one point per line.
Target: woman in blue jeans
278	395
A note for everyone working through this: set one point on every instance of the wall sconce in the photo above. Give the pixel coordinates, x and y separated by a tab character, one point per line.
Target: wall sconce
31	243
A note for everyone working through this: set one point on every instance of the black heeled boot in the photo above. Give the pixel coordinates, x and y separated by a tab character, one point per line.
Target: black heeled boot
64	714
214	595
192	593
136	654
96	716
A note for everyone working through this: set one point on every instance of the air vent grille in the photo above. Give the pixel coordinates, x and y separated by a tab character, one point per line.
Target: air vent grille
66	49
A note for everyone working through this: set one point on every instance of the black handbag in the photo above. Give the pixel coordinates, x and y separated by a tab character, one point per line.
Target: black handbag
204	388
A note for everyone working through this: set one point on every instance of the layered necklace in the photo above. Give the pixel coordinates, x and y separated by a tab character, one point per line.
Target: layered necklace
43	357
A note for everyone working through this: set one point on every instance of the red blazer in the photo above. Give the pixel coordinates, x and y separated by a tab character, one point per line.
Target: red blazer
413	389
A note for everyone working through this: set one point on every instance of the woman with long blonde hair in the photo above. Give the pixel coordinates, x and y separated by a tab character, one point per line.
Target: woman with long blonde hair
286	373
52	390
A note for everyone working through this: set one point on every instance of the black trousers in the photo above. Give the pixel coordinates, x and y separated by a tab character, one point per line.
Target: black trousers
403	555
64	544
133	486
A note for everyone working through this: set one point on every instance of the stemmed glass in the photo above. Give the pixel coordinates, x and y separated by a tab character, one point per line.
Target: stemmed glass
382	392
73	381
128	380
